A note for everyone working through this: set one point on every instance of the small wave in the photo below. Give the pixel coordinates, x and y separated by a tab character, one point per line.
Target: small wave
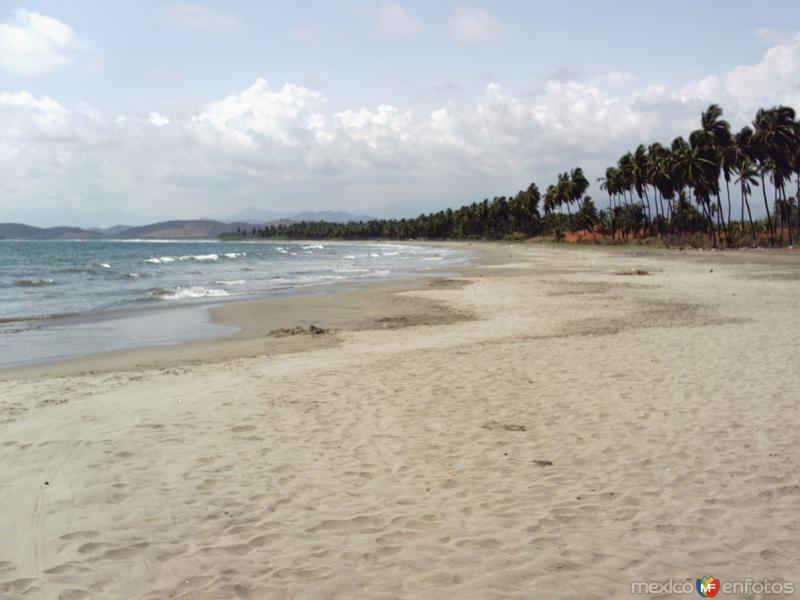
132	275
180	293
20	318
314	247
374	255
349	257
282	250
105	265
231	282
200	257
157	260
33	282
390	253
234	254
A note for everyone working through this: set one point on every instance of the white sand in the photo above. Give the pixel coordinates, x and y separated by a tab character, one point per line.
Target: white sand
415	462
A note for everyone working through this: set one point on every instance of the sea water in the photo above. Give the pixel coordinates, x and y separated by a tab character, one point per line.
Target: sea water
61	299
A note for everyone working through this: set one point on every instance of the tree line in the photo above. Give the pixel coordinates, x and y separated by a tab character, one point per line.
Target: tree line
670	190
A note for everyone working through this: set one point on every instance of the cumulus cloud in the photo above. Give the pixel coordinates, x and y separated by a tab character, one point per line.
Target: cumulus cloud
26	119
288	144
474	26
200	18
34	44
158	120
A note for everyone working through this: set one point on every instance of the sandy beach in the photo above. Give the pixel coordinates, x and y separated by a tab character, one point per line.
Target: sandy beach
551	422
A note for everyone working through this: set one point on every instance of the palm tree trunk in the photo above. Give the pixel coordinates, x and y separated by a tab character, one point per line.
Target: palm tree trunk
742	217
745	202
722	217
797	199
649	214
728	192
778	209
766	203
706	204
788	210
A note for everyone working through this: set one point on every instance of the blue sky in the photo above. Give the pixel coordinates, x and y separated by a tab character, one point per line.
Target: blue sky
136	111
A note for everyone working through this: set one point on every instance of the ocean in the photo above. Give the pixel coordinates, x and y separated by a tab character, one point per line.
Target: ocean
62	299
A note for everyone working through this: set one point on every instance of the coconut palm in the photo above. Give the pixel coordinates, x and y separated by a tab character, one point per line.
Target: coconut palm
775	134
747	177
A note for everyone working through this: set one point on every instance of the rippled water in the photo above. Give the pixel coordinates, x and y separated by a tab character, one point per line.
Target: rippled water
43	280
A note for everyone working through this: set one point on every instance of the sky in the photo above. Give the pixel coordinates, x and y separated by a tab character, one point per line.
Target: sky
137	111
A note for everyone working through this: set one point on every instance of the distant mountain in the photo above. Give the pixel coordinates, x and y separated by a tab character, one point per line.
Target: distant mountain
252	214
201	229
111	231
197	229
18	231
258	215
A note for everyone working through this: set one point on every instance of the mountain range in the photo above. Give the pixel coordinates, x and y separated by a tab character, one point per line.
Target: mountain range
196	229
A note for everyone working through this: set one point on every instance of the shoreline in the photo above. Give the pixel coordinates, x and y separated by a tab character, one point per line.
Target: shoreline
240	314
337	308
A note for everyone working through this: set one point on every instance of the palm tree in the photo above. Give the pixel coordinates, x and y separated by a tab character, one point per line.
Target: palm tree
714	134
747	178
774	136
693	166
794	164
640	170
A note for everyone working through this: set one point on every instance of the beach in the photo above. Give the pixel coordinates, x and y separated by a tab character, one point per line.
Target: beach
549	422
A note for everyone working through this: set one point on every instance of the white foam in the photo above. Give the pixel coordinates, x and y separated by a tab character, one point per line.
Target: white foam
200	257
105	265
232	282
389	253
157	260
234	254
314	247
181	293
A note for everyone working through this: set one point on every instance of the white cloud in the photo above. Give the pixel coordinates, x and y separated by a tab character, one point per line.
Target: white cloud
474	26
287	143
26	119
34	44
618	77
394	19
158	120
200	17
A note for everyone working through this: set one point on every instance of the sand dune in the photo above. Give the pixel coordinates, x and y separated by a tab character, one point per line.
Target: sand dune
573	428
